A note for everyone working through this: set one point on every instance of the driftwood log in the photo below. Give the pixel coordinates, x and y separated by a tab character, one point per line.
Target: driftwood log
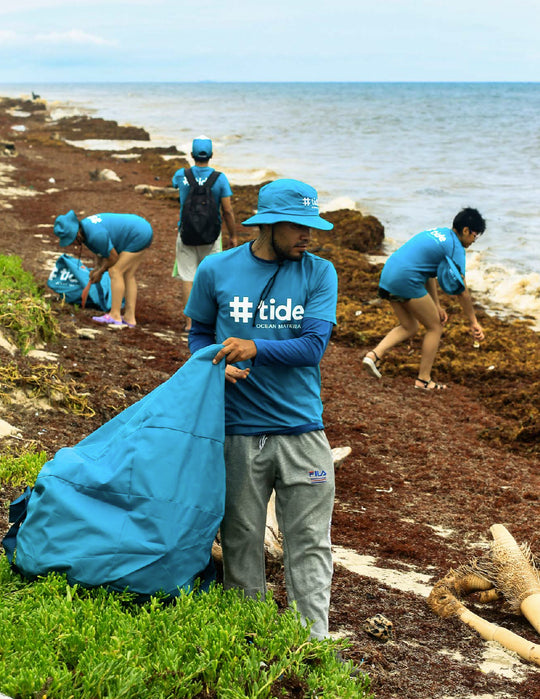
509	573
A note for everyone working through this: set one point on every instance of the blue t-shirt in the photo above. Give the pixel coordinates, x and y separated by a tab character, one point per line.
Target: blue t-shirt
226	292
408	268
123	232
220	189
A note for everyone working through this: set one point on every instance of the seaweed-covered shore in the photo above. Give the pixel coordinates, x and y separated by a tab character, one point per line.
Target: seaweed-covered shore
428	473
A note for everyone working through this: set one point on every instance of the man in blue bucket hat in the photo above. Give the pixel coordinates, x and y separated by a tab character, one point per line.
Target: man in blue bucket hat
272	305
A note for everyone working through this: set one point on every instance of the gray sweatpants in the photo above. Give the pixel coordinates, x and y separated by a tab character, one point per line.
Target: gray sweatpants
300	469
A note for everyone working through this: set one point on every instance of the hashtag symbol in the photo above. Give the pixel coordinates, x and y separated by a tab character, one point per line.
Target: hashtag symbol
241	309
306	201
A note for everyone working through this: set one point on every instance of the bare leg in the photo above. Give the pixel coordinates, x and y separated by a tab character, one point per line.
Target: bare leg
407	328
124	284
425	311
117	292
186	291
410	313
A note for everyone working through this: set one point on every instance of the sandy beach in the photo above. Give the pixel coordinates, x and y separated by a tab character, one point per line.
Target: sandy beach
428	474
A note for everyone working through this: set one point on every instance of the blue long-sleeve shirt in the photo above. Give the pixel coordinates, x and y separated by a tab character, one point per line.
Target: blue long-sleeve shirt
305	350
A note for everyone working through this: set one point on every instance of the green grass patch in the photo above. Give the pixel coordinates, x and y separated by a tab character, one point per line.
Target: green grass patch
22	307
66	642
63	641
21	469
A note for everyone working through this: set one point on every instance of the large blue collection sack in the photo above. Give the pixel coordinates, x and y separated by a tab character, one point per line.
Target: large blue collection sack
68	278
137	504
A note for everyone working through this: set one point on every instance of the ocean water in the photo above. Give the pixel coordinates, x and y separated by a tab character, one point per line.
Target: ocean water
412	154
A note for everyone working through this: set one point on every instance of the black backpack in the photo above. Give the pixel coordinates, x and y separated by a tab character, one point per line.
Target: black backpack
200	224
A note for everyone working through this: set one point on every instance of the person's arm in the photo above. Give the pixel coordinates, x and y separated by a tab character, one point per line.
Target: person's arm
104	263
431	286
305	350
466	304
200	335
228	217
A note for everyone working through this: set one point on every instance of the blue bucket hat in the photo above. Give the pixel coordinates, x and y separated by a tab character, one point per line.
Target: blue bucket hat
66	228
288	200
201	148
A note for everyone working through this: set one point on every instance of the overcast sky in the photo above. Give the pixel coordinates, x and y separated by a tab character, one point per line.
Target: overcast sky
277	40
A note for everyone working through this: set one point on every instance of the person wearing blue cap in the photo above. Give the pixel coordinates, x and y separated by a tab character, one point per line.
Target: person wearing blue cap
408	281
120	242
272	305
189	255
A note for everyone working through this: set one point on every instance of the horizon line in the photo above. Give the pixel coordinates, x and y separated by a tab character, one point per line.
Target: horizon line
271	82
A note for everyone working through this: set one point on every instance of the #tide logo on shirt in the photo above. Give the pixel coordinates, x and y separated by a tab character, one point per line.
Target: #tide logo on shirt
269	312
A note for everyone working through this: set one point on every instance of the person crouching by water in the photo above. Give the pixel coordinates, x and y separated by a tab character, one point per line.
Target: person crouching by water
120	242
408	281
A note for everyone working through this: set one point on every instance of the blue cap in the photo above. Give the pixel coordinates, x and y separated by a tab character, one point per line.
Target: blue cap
66	228
288	200
201	148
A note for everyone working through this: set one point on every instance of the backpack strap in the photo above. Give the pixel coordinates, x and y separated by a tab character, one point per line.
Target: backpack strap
212	179
190	177
209	183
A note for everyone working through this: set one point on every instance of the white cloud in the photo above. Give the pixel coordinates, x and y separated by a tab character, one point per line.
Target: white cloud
345	40
75	36
25	5
8	36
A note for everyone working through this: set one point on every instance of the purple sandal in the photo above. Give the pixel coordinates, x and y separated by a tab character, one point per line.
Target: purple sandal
107	320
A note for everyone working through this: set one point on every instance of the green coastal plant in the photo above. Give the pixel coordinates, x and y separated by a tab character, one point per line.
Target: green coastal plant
21	469
68	642
63	641
22	307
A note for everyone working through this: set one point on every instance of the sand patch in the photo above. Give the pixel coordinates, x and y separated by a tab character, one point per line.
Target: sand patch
42	355
169	335
7	430
9	192
502	662
419	583
88	333
28	402
7	345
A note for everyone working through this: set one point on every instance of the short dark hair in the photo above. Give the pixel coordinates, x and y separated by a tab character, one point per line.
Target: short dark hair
469	218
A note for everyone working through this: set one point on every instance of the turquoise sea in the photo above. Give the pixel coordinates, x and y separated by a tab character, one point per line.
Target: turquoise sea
412	154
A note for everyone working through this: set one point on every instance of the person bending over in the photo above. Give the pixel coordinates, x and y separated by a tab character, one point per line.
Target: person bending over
408	281
120	242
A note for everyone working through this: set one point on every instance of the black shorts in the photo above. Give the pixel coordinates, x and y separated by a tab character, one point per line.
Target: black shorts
387	296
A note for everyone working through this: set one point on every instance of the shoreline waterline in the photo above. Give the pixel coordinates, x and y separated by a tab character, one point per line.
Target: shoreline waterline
502	286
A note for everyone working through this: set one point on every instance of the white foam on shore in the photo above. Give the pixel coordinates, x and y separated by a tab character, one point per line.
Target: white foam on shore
339	203
504	291
61	111
253	177
110	144
19	113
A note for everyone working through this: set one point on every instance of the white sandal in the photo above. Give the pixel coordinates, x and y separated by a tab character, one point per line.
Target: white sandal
372	365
